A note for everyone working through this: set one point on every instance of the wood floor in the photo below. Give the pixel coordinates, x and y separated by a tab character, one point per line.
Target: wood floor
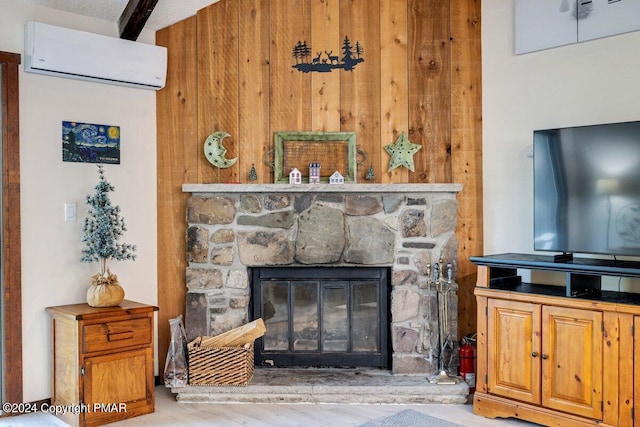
171	413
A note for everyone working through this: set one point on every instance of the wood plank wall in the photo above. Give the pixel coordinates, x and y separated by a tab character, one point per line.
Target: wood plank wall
231	69
177	153
466	148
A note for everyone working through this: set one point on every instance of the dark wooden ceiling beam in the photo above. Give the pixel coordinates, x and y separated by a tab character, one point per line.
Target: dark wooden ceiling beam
133	18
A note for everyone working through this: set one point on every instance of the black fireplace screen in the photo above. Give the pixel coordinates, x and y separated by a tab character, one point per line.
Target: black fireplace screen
321	316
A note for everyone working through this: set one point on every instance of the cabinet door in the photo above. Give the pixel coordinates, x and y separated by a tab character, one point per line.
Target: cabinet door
636	370
118	385
513	337
572	361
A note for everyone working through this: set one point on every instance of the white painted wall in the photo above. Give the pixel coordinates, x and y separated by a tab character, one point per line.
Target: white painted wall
586	83
52	273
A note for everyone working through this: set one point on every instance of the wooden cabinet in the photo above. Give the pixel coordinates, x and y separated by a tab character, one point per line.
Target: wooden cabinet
546	355
557	355
633	365
102	362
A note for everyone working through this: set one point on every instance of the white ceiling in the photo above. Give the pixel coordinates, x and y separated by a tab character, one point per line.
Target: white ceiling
166	12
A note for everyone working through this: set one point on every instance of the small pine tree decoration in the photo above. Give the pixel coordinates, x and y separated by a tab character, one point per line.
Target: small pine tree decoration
370	175
102	228
253	175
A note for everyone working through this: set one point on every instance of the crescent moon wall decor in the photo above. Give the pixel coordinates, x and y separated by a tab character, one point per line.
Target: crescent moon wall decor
215	152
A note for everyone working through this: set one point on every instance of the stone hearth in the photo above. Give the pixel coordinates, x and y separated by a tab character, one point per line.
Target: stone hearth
402	226
328	386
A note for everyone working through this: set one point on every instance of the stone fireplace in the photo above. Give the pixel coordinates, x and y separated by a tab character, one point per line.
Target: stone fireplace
404	227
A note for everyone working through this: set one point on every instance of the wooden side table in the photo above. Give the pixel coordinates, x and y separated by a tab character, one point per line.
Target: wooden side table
102	362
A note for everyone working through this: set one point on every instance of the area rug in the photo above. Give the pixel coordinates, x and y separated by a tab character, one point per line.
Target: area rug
409	418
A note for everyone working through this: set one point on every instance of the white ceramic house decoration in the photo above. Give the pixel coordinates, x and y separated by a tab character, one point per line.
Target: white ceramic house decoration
336	178
295	177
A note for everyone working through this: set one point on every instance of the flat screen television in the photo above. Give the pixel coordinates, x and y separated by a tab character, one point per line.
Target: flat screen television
587	189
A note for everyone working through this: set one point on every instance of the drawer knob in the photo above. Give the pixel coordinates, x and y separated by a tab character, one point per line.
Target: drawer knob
545	357
534	354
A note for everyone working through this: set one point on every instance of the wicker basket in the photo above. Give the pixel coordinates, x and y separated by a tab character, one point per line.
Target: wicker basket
221	366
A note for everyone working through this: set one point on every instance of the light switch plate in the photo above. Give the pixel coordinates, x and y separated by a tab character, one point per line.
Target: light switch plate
69	212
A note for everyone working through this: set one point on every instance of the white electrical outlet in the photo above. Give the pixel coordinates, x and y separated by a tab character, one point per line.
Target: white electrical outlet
69	212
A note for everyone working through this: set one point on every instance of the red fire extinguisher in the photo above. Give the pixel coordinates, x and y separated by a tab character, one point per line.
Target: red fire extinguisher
468	362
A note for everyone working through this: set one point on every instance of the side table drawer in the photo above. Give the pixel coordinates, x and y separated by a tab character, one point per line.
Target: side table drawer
117	334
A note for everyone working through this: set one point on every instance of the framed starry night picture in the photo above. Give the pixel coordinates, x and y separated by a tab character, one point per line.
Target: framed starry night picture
90	143
329	151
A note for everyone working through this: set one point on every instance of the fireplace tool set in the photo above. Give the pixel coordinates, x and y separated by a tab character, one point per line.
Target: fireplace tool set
448	347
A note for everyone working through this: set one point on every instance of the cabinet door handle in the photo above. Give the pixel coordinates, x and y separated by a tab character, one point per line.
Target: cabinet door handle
119	336
534	354
545	357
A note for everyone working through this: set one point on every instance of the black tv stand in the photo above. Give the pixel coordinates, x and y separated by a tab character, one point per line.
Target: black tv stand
583	275
563	257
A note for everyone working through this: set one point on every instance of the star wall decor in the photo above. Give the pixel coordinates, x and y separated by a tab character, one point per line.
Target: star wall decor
402	152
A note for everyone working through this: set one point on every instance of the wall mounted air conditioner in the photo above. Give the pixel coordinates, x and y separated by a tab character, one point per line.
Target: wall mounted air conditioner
73	54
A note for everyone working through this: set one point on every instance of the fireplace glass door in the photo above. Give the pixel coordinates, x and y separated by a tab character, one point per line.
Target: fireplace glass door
321	316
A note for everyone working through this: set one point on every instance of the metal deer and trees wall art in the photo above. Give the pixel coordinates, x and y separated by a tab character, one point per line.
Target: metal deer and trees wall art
326	61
